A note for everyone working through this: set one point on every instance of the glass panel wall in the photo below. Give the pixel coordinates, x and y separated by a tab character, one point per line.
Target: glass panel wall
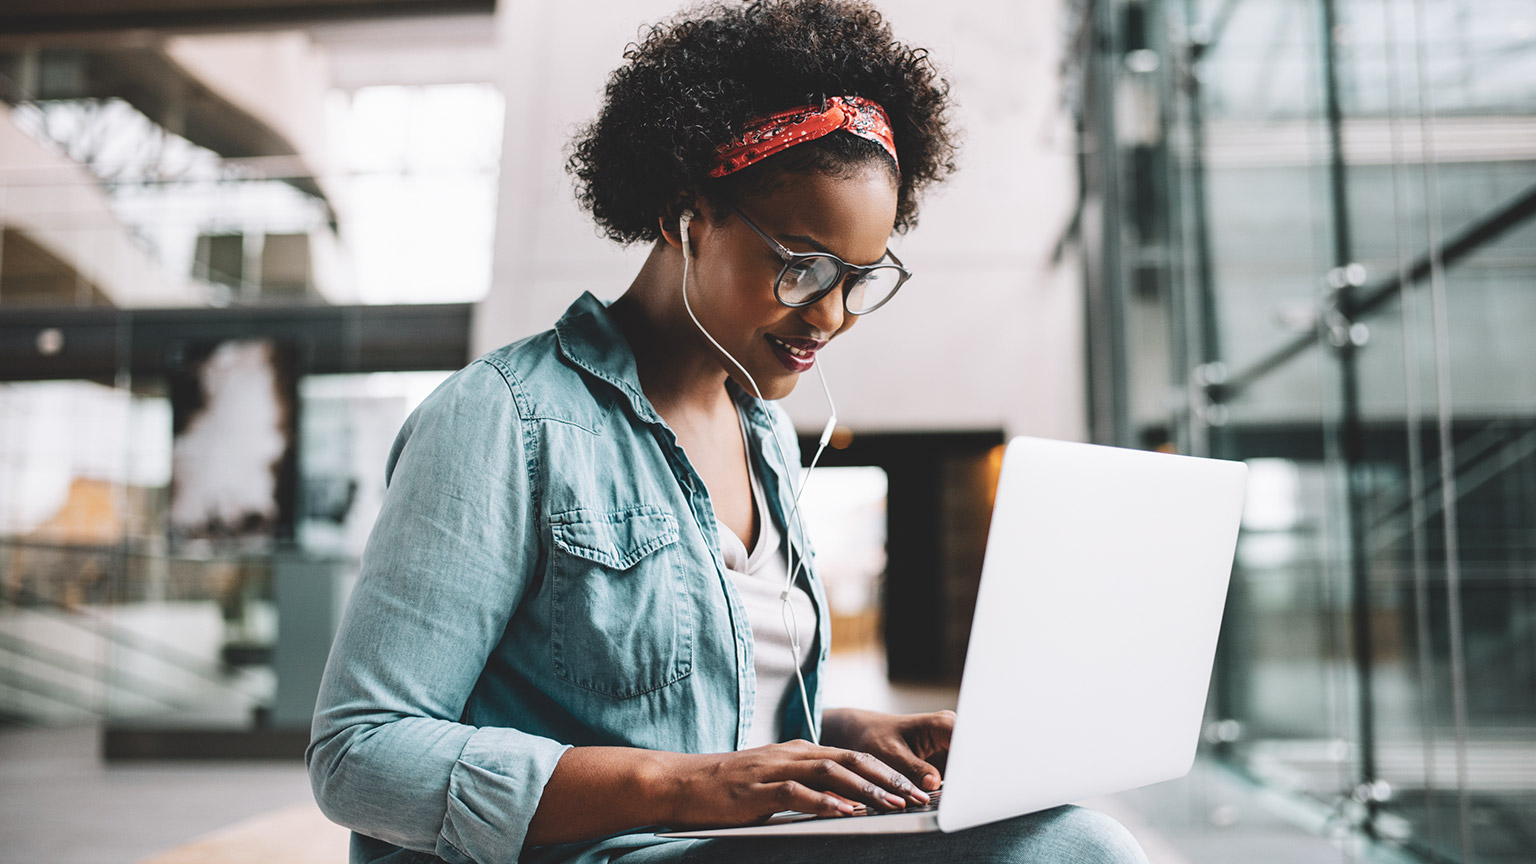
108	614
1326	240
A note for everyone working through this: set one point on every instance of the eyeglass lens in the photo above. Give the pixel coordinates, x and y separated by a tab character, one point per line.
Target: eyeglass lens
807	278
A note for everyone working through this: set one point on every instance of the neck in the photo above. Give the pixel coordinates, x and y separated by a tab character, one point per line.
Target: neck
678	371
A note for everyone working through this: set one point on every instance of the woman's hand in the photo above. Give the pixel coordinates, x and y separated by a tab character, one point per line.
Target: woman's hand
905	741
747	786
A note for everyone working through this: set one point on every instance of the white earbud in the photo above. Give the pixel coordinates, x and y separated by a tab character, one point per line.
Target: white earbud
682	228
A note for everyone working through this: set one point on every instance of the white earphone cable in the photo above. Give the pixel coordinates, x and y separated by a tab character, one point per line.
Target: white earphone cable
792	569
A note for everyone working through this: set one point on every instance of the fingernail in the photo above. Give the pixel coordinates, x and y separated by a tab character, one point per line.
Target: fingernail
930	782
845	806
894	801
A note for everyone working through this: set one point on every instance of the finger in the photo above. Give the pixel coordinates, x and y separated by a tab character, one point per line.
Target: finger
790	795
919	770
881	766
943	727
837	777
890	781
832	775
930	733
932	740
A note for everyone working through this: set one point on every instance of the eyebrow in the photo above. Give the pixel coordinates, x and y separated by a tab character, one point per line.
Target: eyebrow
811	241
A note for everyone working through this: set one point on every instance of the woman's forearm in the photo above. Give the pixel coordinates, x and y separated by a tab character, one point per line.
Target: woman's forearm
597	791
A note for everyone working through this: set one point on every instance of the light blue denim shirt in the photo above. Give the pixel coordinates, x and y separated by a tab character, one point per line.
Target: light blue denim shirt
544	573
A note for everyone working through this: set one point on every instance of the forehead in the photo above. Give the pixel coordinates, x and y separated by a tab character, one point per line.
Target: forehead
851	215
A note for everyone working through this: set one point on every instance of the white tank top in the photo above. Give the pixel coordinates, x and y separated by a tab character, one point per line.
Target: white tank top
759	577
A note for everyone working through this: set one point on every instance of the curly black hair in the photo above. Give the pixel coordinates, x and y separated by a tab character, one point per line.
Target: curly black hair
693	83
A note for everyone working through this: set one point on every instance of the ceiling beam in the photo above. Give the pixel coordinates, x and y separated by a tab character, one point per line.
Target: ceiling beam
44	17
64	343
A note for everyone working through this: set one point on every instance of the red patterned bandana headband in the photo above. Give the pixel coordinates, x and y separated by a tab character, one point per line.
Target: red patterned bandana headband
766	136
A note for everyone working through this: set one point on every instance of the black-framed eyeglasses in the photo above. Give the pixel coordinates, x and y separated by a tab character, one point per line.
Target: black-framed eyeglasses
808	276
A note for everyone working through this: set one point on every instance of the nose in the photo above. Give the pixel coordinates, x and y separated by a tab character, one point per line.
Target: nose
828	313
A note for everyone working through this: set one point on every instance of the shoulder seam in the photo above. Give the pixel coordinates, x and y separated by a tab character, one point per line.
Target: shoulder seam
527	410
514	388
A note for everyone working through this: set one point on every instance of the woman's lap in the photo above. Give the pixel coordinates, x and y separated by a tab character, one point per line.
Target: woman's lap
1065	835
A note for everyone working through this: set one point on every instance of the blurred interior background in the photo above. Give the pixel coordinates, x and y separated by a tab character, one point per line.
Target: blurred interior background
241	239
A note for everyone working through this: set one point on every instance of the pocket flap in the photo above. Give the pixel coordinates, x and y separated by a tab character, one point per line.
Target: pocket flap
619	539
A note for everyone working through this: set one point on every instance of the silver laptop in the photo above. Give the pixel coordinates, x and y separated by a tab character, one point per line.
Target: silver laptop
1091	649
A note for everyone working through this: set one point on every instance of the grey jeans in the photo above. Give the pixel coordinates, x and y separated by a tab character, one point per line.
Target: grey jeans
1065	835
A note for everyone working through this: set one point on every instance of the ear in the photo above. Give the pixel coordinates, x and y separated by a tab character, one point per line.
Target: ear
670	232
668	221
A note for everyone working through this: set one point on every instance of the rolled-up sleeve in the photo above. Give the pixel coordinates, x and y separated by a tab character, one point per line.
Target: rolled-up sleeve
447	563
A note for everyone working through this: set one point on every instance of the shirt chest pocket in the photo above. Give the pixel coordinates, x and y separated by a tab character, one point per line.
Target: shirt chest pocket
620	623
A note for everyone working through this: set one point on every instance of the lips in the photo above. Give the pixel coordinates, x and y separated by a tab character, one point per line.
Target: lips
797	355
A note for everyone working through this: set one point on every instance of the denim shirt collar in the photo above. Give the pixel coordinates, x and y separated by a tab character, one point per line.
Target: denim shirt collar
589	337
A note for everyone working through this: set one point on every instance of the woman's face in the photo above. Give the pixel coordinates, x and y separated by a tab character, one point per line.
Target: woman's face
733	271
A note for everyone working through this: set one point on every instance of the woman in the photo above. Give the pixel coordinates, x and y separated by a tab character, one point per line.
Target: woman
568	625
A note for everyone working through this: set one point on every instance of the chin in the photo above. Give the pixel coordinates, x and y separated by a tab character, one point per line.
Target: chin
776	384
780	388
